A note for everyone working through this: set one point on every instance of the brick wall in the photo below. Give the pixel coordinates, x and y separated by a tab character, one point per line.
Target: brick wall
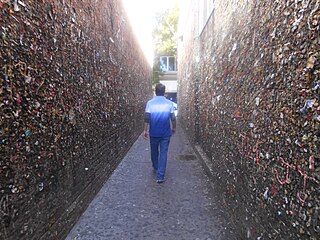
251	101
73	87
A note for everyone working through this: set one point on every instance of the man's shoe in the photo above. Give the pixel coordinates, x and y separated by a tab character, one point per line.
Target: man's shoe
160	180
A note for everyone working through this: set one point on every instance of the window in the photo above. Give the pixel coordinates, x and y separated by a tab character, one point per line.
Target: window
167	63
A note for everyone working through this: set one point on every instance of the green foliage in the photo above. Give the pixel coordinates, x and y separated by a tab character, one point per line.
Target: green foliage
165	33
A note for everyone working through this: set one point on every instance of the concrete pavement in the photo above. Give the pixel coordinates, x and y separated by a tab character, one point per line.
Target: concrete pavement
131	205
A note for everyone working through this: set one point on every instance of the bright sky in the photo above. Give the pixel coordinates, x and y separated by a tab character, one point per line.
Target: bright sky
141	14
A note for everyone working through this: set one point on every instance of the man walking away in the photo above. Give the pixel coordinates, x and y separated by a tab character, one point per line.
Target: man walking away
159	125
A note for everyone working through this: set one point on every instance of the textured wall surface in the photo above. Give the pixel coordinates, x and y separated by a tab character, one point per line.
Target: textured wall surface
249	92
73	87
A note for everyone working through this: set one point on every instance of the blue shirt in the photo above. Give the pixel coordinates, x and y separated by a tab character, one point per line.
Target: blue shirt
160	109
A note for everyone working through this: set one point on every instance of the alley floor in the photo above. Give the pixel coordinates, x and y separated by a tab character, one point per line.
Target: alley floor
131	205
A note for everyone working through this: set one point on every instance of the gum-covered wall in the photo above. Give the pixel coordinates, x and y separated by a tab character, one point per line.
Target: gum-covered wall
249	96
73	87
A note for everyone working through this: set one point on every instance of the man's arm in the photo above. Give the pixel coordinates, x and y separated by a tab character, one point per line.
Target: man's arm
174	122
146	125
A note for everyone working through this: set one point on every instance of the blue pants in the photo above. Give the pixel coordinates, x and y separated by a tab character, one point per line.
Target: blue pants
159	151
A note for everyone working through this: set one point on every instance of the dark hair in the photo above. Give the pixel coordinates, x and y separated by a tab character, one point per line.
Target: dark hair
160	89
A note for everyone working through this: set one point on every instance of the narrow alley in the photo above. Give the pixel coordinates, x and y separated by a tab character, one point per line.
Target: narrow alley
244	77
131	205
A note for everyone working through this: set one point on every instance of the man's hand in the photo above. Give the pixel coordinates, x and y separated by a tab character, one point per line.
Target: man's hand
173	131
145	134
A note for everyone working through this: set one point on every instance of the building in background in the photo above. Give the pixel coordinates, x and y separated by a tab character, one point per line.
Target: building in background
165	51
168	76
